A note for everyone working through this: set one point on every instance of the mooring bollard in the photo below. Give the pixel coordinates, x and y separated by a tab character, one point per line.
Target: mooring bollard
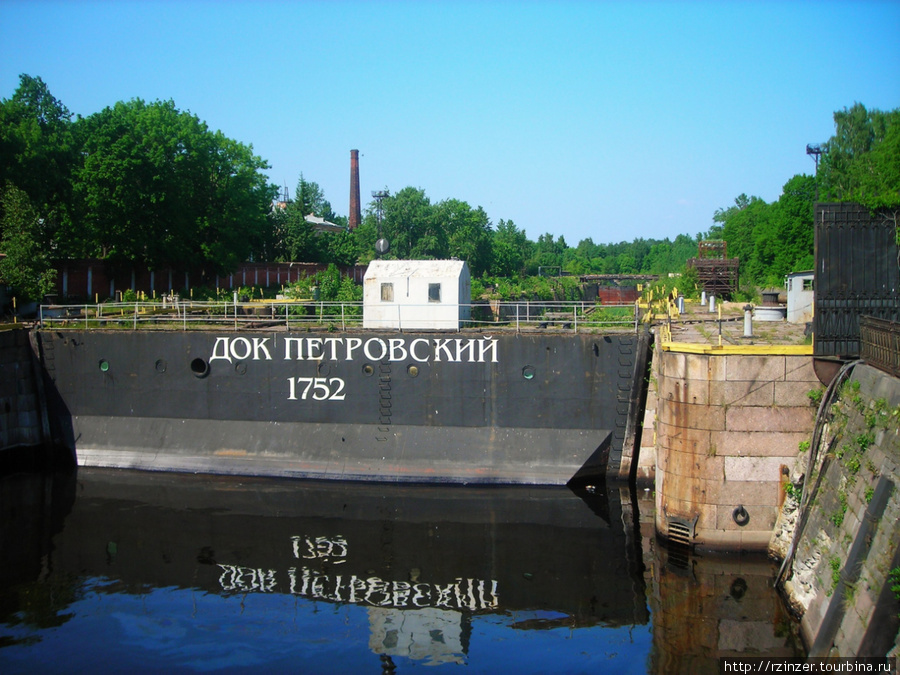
748	321
712	304
703	298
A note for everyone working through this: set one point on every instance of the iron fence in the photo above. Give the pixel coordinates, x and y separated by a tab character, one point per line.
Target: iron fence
880	343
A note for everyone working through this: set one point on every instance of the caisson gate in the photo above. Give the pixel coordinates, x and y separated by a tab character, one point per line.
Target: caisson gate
428	407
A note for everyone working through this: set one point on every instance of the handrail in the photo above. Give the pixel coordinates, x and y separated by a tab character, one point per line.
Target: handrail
336	315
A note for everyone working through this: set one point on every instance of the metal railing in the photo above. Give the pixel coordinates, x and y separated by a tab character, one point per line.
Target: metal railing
175	314
879	343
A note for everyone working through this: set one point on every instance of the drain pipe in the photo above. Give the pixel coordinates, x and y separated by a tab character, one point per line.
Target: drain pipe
850	573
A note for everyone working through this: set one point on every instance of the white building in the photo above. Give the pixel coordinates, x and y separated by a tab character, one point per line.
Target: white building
417	294
800	296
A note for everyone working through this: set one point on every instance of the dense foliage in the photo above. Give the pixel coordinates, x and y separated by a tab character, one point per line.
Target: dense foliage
135	182
147	183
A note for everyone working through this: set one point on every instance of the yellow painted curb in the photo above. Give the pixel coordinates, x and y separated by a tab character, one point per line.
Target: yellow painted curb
746	350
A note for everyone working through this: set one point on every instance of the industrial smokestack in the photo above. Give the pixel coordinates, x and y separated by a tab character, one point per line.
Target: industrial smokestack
355	213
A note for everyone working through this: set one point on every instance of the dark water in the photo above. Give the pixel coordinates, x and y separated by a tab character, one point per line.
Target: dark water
119	571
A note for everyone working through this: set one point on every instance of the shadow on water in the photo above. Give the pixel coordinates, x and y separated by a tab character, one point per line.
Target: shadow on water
122	570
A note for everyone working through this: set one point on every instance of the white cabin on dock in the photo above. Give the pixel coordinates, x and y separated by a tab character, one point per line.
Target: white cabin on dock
417	294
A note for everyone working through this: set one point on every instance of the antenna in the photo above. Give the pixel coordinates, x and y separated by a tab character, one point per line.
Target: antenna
379	196
815	150
381	245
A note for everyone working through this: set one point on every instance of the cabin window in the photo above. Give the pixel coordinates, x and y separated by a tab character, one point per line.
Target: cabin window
434	292
387	292
807	284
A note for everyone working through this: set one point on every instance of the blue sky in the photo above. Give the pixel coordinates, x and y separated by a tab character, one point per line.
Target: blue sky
609	120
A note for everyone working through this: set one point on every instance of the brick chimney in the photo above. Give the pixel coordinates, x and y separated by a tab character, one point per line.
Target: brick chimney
355	214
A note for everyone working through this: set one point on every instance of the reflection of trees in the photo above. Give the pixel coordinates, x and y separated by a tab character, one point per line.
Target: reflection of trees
32	595
39	605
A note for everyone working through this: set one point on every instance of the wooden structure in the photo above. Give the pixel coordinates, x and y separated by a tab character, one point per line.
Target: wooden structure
718	273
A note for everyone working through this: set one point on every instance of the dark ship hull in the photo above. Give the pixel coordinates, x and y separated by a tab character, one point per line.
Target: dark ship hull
432	407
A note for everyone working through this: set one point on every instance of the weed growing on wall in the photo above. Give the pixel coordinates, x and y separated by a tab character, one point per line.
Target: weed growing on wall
815	396
894	580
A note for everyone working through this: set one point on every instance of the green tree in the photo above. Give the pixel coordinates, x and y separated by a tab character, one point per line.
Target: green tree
340	248
794	226
310	200
468	233
409	224
510	250
157	186
26	267
861	162
37	154
301	242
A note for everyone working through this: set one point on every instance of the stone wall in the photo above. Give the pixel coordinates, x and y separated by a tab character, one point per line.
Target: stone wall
20	412
728	427
849	538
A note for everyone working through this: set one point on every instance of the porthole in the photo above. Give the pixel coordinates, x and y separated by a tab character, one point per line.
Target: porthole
161	366
413	371
323	369
199	367
368	370
104	365
240	368
528	372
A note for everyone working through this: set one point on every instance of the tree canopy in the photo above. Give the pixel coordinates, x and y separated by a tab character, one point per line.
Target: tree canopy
861	162
135	182
156	185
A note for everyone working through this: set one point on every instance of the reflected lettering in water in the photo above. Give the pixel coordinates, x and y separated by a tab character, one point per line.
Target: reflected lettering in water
121	570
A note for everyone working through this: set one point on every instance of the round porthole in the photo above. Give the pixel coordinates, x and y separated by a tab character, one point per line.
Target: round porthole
413	371
528	372
368	370
240	368
104	365
323	369
199	367
161	366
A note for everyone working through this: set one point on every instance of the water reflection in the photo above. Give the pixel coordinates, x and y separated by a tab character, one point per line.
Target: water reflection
120	570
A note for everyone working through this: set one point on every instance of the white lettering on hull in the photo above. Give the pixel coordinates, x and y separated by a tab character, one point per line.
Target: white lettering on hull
421	350
337	349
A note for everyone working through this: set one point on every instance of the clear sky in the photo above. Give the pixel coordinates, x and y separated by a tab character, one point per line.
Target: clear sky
609	120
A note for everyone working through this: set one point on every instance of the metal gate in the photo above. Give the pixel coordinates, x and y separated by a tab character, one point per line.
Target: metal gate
857	274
